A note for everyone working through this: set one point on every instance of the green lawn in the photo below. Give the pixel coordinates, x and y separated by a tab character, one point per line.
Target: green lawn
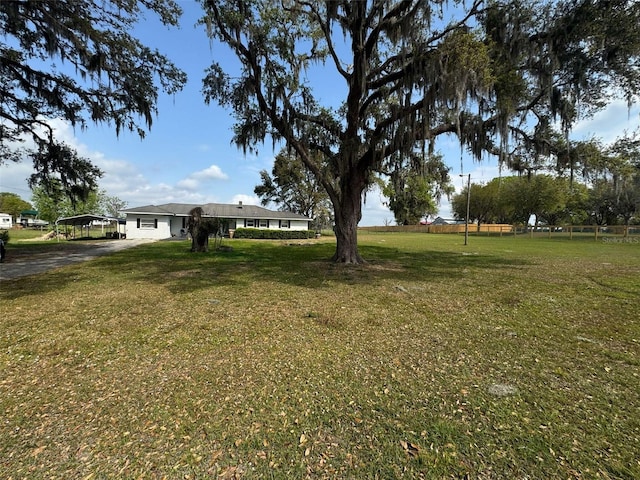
507	358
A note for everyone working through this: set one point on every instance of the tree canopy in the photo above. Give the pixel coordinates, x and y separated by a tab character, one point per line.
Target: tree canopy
292	187
594	183
52	203
12	204
78	61
497	74
415	187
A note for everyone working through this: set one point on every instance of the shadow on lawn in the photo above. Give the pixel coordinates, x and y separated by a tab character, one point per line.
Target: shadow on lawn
306	265
299	264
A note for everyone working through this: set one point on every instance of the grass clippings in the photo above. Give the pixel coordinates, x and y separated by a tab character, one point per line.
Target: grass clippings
267	361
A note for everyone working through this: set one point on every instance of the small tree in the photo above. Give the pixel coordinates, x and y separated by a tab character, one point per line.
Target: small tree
113	206
415	187
200	228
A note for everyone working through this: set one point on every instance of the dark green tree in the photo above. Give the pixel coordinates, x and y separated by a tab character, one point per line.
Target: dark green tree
12	204
415	188
59	170
484	203
294	188
76	60
540	195
601	204
549	197
623	174
577	198
410	71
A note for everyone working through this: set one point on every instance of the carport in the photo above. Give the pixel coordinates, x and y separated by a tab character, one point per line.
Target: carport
85	221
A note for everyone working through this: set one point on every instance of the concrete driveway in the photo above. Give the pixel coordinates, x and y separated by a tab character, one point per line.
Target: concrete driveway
25	265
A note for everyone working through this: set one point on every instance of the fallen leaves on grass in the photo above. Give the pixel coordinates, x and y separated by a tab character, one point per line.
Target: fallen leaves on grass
319	370
410	449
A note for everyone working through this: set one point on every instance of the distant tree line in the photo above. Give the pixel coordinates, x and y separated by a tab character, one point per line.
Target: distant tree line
591	184
52	203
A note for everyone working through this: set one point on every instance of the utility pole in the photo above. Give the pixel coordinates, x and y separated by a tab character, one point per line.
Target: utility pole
466	220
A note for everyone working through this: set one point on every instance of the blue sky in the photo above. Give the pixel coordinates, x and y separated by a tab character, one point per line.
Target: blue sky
187	157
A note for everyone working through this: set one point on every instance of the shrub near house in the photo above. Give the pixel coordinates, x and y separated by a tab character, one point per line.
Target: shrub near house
257	233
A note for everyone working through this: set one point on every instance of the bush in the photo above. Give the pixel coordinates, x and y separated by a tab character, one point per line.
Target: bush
264	234
4	235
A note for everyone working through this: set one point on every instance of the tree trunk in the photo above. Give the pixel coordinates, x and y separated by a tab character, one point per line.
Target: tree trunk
347	216
200	240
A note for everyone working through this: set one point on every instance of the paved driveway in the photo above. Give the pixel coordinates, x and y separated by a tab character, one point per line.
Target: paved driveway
24	265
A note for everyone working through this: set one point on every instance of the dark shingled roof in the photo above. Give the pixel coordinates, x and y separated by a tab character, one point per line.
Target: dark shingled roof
220	210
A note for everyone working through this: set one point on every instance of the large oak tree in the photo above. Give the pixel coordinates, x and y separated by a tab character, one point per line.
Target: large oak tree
77	61
494	73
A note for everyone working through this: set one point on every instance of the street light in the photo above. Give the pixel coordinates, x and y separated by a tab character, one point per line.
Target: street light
466	220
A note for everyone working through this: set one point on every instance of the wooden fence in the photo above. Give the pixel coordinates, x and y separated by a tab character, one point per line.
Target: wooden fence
488	228
598	232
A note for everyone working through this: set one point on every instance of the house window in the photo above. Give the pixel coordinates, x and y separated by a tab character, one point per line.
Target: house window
264	223
147	223
285	224
249	223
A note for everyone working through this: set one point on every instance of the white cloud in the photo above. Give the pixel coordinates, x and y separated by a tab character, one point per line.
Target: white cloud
190	184
121	178
609	124
245	199
214	172
13	179
195	180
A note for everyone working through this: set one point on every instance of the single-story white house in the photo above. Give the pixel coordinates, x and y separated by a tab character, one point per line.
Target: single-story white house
170	220
6	222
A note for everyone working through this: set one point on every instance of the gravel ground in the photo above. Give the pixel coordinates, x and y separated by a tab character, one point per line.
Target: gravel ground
22	265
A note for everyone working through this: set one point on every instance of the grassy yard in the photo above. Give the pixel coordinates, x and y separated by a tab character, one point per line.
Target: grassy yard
508	358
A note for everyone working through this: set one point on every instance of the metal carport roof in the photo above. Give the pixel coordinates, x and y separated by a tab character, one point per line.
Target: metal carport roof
84	219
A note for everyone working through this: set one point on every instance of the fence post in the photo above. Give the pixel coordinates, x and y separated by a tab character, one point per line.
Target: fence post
597	227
